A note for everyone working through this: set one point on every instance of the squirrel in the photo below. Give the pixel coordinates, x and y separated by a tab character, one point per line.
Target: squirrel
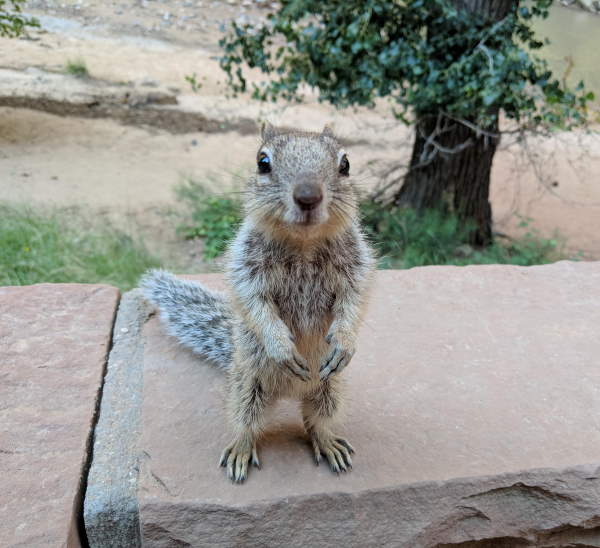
299	271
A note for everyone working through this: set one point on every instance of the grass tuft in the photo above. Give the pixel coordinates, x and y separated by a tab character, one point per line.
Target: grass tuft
213	218
77	68
62	246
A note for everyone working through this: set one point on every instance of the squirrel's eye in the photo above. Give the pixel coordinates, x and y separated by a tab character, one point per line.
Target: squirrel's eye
264	164
344	166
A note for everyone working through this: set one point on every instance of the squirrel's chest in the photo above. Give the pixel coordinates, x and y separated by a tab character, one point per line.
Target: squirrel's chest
304	294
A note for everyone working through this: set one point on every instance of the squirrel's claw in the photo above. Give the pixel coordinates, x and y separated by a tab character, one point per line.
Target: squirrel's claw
224	457
317	451
298	366
337	359
346	444
255	461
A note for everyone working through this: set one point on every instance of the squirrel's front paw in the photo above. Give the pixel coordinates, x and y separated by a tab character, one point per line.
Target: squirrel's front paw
342	350
297	365
337	451
288	356
236	458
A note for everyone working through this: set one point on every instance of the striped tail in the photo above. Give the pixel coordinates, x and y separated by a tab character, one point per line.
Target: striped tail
199	318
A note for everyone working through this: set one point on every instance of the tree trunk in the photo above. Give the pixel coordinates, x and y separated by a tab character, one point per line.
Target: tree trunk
457	179
451	164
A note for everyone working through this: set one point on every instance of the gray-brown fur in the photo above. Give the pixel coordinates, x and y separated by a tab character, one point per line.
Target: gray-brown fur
199	318
299	271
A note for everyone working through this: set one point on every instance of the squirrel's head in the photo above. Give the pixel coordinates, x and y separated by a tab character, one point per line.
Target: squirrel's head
302	183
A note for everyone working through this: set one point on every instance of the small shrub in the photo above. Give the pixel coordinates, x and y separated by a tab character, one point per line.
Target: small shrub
12	22
214	218
52	246
405	239
77	68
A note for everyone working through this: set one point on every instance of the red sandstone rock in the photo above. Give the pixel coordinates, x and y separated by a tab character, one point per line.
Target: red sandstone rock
53	345
490	373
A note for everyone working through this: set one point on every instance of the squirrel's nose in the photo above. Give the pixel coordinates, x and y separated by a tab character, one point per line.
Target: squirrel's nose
308	195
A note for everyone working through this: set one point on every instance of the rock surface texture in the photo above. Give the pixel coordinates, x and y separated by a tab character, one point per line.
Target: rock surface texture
473	404
54	341
111	512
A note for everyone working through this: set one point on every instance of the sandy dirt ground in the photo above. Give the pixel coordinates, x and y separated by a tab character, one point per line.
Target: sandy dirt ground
129	172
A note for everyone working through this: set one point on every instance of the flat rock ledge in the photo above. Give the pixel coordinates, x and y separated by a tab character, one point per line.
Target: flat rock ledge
54	341
473	403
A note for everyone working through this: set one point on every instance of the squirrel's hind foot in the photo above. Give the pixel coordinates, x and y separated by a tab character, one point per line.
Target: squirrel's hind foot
236	457
336	450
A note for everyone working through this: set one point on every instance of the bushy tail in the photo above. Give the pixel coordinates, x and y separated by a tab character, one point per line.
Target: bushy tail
198	317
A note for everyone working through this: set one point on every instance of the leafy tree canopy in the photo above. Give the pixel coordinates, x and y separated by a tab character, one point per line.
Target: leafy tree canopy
12	21
425	55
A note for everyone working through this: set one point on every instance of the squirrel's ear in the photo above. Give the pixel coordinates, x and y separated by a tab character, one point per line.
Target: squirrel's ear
327	131
267	131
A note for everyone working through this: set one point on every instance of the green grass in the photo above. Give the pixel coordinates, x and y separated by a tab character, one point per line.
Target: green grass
402	238
211	217
405	239
77	68
64	246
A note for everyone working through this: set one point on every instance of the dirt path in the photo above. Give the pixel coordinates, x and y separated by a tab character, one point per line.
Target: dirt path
124	170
